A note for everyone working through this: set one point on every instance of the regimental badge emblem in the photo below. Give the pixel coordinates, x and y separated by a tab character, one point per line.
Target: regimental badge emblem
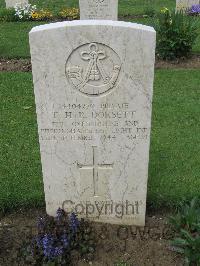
93	69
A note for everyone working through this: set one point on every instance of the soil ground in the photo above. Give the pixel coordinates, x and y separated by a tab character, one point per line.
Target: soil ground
148	246
24	65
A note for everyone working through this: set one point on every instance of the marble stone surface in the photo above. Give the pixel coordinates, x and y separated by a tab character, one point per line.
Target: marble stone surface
93	98
12	3
98	9
185	4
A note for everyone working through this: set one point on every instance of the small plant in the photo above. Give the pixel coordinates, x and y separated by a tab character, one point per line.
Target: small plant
41	15
121	263
187	216
176	34
57	237
30	12
69	13
24	12
188	244
194	10
187	226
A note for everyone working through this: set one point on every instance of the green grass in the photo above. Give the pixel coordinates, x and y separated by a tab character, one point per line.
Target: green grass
175	144
20	171
14	38
132	7
125	6
14	35
175	150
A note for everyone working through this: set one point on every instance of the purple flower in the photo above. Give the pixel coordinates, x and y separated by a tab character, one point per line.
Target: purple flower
49	249
39	240
47	243
58	251
59	214
47	240
74	222
195	10
65	240
41	223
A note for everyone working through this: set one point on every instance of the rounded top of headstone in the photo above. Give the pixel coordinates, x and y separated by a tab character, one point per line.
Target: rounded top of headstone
108	23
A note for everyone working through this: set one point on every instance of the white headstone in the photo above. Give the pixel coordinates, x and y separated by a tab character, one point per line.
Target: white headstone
99	9
93	98
185	4
12	3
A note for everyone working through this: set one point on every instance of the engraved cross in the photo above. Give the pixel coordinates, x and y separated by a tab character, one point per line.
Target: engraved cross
95	167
